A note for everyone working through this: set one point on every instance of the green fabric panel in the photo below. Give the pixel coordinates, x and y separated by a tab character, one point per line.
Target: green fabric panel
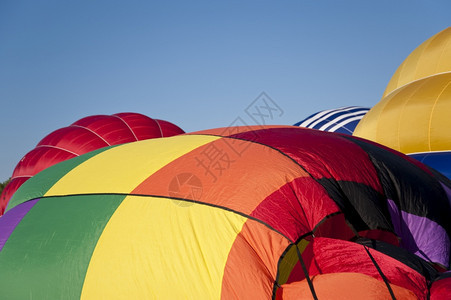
47	255
39	184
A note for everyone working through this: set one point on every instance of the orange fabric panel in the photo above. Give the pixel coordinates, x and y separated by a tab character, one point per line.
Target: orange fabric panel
228	131
215	172
251	267
345	286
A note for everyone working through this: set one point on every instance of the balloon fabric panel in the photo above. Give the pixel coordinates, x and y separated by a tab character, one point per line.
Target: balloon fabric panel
51	262
37	187
336	256
126	173
188	249
73	139
9	223
341	120
349	286
440	161
219	169
321	154
167	129
432	57
413	118
252	263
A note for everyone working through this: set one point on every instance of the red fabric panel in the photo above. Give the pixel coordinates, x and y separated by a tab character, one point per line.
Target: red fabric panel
39	159
322	154
109	128
32	163
297	274
334	227
142	126
169	129
73	139
349	286
441	289
335	256
296	208
9	190
381	235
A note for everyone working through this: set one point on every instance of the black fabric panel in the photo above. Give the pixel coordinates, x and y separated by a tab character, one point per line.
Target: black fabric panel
444	275
443	179
411	188
398	253
362	206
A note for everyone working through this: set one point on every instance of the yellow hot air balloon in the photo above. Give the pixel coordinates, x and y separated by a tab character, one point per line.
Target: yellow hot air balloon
413	114
430	58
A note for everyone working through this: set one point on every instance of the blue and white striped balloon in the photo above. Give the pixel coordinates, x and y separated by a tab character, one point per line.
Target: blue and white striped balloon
343	119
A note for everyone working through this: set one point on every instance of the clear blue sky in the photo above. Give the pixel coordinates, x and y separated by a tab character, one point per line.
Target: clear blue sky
198	64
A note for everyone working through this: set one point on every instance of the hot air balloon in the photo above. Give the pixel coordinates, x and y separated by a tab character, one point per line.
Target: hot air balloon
413	114
241	212
85	135
342	120
430	58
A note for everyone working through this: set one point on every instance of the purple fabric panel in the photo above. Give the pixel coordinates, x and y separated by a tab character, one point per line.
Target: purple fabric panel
420	236
447	191
9	220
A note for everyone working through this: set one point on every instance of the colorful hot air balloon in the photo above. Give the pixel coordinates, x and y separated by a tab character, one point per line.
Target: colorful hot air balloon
85	135
342	120
240	212
413	115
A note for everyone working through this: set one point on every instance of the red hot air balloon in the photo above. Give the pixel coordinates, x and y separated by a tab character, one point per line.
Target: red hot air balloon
85	135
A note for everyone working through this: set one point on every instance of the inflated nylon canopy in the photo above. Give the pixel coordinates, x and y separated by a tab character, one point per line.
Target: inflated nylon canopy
430	58
342	120
85	135
414	118
247	213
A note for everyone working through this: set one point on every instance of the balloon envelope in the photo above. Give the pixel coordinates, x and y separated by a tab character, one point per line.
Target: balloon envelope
414	118
85	135
342	120
432	57
234	212
413	114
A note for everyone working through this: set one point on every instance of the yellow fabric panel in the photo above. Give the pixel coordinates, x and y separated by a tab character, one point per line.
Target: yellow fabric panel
126	165
381	123
406	71
367	126
290	259
414	118
440	122
154	248
432	57
415	113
